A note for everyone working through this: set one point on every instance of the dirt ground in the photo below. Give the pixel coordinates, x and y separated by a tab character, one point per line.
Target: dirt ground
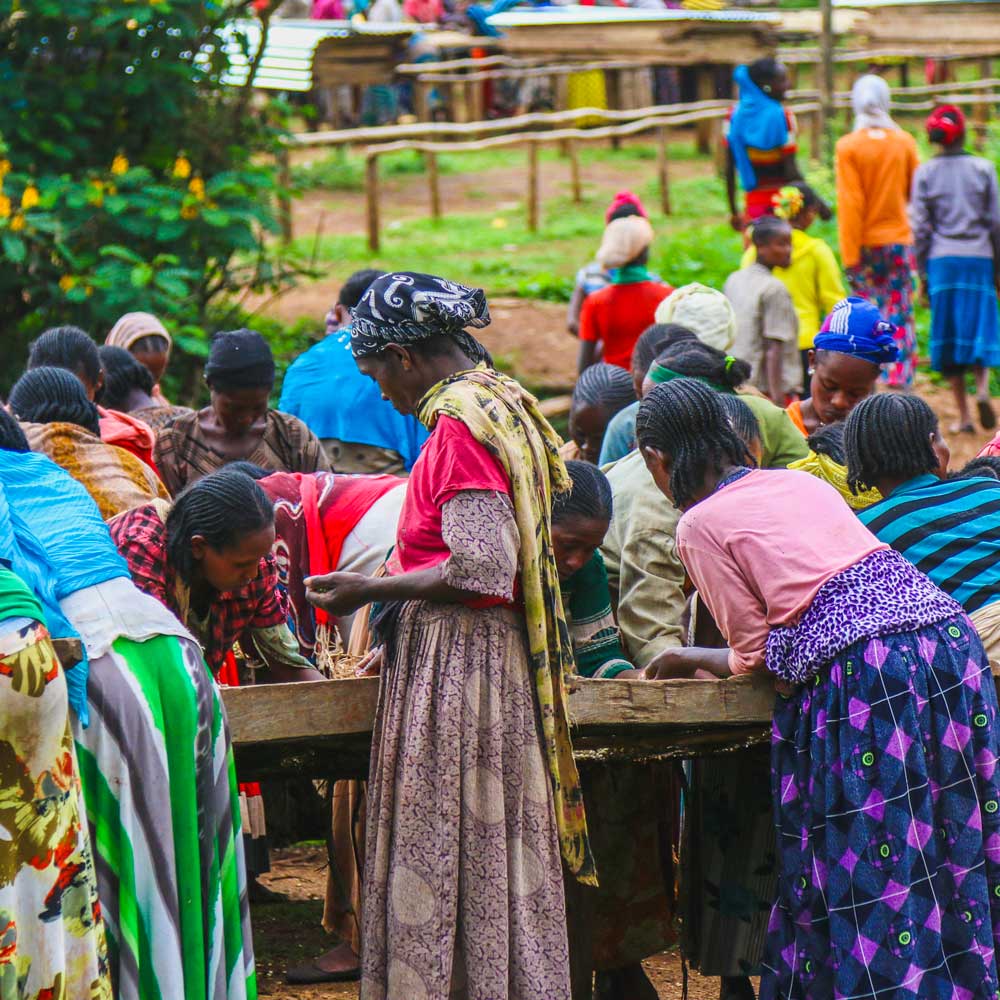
289	933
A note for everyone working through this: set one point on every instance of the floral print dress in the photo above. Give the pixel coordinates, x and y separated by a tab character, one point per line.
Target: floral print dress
52	940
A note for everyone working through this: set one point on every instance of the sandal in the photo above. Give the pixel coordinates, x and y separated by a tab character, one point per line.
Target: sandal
987	415
961	429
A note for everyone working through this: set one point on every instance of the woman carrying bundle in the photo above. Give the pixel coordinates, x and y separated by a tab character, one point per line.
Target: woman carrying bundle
463	883
884	745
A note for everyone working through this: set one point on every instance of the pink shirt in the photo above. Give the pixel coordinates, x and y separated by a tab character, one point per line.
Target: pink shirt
759	550
451	461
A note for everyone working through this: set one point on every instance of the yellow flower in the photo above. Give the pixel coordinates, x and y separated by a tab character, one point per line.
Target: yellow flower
4	207
30	197
182	167
66	282
197	187
131	24
4	168
189	212
119	165
17	223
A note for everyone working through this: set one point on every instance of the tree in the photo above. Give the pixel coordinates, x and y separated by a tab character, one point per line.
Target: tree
133	177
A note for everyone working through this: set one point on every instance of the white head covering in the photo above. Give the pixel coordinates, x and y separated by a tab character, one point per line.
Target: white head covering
624	239
870	98
708	314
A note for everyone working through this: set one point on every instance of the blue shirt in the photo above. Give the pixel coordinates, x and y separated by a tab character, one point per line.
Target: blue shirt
619	438
325	390
949	529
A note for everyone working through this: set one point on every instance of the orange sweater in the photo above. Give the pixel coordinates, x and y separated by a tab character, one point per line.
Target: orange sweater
874	173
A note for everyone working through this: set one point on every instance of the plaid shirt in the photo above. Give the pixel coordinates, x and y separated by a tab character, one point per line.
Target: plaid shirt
141	537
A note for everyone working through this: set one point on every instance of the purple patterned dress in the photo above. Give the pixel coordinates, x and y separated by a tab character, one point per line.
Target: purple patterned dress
886	796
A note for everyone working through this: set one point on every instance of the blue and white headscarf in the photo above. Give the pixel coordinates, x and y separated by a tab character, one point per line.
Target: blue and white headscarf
856	327
406	308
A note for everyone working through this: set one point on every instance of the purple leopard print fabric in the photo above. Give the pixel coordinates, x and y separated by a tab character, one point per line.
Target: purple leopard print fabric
882	595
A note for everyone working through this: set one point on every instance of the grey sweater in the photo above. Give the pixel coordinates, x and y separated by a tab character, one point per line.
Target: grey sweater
955	209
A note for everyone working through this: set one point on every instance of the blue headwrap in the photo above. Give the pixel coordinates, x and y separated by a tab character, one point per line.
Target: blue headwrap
758	122
856	327
53	537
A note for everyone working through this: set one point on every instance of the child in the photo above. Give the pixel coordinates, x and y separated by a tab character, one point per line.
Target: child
767	328
601	392
813	279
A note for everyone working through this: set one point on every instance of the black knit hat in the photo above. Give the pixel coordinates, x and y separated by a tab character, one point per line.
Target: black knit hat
240	359
53	395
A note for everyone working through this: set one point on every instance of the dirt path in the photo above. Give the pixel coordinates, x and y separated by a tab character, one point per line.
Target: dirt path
290	933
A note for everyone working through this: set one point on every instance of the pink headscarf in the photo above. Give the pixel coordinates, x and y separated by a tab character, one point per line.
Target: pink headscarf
625	198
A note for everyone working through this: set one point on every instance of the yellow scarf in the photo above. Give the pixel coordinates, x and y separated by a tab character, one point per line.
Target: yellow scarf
825	468
505	419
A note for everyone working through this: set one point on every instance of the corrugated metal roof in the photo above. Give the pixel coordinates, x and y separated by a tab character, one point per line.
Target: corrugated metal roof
873	4
524	17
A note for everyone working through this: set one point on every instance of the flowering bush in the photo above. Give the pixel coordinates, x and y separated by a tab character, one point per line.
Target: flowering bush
131	176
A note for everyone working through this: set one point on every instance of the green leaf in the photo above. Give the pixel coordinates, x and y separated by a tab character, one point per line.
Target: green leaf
141	276
13	248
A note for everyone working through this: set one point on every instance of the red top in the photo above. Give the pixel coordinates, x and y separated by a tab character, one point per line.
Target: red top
130	433
618	314
451	461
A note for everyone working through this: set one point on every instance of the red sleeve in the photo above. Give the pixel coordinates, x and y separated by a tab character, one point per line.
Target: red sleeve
459	462
588	319
272	608
140	537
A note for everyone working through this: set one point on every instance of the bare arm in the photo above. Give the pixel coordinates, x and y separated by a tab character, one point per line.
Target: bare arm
586	356
735	216
680	663
573	312
773	367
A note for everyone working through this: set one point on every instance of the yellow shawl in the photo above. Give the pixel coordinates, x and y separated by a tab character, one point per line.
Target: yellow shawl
825	468
504	418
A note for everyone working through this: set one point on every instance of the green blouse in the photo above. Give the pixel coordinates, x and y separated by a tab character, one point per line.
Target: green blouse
587	602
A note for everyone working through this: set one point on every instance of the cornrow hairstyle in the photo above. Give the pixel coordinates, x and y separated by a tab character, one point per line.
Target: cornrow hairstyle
654	340
590	496
255	472
686	420
152	343
888	436
984	467
741	417
66	347
604	385
767	228
356	285
53	395
223	507
122	374
697	360
764	71
12	437
828	439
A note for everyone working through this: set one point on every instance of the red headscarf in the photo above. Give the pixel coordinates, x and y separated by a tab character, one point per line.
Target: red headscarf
946	123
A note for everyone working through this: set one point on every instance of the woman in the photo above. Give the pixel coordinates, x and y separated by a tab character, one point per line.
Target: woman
129	388
462	815
61	422
955	212
945	527
884	742
45	854
761	139
154	753
827	460
600	393
237	426
813	278
147	340
875	165
844	364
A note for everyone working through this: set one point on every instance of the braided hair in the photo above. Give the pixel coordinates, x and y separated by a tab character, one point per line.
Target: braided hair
223	507
590	496
122	374
12	437
767	228
741	417
828	439
889	436
255	472
53	395
686	420
654	340
604	385
983	467
694	359
66	347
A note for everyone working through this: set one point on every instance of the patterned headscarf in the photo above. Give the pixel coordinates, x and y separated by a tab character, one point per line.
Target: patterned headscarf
406	308
856	327
134	326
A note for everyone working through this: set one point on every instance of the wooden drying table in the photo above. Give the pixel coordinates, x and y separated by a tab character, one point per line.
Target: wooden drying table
323	729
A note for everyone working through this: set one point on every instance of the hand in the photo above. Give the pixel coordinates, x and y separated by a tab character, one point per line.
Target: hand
737	222
672	664
371	665
339	593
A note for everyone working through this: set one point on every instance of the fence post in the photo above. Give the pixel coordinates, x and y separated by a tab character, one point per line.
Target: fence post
816	137
705	82
983	111
284	197
574	170
371	201
662	169
533	186
432	180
